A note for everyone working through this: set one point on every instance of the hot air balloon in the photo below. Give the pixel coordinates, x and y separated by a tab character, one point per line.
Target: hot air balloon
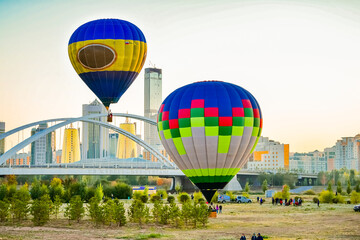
210	129
108	54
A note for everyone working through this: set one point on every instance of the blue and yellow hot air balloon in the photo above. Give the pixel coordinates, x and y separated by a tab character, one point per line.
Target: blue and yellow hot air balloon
108	54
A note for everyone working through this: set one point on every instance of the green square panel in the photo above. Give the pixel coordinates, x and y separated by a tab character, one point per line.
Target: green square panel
255	131
238	121
185	132
184	122
167	134
160	126
165	124
225	131
197	112
175	133
160	117
211	131
248	112
211	121
197	122
237	131
256	122
249	121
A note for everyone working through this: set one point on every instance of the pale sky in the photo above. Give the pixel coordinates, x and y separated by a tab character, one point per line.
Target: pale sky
299	58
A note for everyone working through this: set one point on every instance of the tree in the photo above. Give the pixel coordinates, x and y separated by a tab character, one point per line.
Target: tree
99	194
57	206
138	212
357	187
175	214
4	210
352	177
75	209
339	188
40	209
286	192
326	196
156	211
95	211
11	180
119	212
109	211
19	207
348	189
264	186
355	197
186	212
201	214
164	214
247	187
178	188
329	188
56	188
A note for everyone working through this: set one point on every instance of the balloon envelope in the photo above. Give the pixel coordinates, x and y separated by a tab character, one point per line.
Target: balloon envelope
108	54
210	129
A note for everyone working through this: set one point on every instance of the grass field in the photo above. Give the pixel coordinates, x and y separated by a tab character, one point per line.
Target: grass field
329	221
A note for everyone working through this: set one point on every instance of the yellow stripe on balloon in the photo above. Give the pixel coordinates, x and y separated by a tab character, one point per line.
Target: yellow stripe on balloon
132	60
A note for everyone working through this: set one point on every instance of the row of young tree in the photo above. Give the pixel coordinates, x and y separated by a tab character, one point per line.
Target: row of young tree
106	211
64	189
344	176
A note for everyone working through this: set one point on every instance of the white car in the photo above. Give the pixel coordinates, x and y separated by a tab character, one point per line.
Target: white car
242	199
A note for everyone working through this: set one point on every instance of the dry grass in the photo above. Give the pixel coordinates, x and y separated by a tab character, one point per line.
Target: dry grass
330	221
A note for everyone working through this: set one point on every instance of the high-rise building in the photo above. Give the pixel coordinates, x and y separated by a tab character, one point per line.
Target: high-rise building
2	141
329	155
71	146
127	147
42	149
152	102
311	162
269	155
347	153
113	144
94	137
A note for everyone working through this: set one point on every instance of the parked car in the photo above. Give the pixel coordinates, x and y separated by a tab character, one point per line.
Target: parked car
242	199
224	198
357	208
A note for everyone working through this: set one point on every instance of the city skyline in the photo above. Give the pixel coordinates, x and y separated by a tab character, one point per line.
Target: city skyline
299	59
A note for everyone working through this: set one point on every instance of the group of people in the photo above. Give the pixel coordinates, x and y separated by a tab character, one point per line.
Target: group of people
285	202
253	237
217	208
260	200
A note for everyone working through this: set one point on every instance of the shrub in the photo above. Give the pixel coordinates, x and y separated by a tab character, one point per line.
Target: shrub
138	195
4	210
355	197
57	205
99	194
164	214
175	214
154	198
348	188
138	212
338	199
326	196
264	186
297	199
201	200
215	197
246	194
171	199
144	198
40	209
75	209
197	196
186	212
108	208
278	195
3	192
178	188
309	192
231	195
315	200
156	211
119	212
95	211
285	192
183	197
19	206
247	187
162	193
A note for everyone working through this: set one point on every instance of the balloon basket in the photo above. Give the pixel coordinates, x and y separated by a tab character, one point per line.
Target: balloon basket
213	215
109	118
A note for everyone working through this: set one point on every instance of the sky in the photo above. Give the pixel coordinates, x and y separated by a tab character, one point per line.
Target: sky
300	59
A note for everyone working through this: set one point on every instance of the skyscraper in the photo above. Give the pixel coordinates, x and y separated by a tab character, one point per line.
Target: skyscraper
94	138
113	144
2	141
152	102
42	149
127	147
71	146
347	153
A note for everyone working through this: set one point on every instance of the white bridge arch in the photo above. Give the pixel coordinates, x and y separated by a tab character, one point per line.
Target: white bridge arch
67	121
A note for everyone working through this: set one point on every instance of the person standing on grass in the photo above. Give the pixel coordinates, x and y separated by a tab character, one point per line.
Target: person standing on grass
220	209
243	237
261	201
272	201
253	237
318	203
259	237
217	208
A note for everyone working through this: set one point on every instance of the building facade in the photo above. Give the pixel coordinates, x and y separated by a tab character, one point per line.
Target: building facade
71	146
269	155
94	138
127	147
42	149
347	153
152	102
312	162
2	141
329	155
113	144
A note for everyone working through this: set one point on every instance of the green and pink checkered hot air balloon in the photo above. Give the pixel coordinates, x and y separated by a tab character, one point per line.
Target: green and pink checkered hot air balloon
210	129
